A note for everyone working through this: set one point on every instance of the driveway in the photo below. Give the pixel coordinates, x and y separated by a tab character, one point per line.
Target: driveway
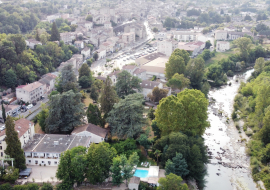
41	174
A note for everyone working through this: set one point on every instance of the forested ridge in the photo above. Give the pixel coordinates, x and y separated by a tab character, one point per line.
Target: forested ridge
21	65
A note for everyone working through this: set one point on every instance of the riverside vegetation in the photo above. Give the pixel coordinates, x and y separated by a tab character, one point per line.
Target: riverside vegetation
252	105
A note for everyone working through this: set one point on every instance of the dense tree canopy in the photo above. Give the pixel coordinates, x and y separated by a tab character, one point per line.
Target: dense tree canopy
85	76
99	160
176	64
172	182
187	113
127	84
192	149
28	65
67	80
65	112
15	20
178	82
72	166
126	118
127	147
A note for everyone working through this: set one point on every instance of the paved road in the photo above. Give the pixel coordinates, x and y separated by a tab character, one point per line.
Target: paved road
36	109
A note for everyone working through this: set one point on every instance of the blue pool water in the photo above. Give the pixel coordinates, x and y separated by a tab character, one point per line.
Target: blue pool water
141	173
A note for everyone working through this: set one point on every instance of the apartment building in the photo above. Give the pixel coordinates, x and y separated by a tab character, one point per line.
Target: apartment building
166	46
31	92
25	130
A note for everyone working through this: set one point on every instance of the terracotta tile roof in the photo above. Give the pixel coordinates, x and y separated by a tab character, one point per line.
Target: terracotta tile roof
114	73
21	126
30	86
92	129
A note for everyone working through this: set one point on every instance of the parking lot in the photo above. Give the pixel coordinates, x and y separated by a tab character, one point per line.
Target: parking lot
125	56
41	174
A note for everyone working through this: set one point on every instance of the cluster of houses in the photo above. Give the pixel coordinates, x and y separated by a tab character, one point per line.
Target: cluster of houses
45	149
99	32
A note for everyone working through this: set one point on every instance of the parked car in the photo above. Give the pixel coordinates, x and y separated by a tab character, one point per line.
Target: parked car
2	128
29	106
2	121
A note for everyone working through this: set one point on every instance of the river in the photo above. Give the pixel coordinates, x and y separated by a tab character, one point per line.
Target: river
223	141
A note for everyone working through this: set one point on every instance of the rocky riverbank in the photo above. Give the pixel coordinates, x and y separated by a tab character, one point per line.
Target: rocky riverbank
229	164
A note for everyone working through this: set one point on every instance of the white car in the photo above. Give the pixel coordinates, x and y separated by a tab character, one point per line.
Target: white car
29	106
2	128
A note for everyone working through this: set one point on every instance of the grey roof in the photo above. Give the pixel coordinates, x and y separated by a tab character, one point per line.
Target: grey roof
239	33
46	143
149	84
135	180
126	67
138	71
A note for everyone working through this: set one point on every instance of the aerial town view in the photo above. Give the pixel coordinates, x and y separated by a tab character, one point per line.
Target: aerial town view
134	95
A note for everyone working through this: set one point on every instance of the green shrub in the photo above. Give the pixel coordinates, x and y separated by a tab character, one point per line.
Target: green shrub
234	115
249	133
154	78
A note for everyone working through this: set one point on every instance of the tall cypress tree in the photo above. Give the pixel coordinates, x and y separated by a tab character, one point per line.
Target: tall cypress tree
37	35
55	35
108	96
3	113
94	115
14	149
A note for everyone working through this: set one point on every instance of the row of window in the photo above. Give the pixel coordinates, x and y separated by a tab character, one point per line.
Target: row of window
43	162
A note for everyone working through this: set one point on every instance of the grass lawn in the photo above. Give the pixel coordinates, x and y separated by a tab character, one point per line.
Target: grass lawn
38	129
87	100
219	56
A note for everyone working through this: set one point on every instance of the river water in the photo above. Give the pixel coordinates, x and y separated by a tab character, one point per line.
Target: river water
229	165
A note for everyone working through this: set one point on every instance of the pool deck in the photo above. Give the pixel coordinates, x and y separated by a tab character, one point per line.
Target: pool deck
141	168
161	174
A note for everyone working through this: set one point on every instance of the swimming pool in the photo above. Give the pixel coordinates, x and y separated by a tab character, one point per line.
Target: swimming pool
141	173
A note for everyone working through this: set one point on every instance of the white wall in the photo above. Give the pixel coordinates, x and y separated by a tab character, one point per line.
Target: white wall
32	161
133	186
94	138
